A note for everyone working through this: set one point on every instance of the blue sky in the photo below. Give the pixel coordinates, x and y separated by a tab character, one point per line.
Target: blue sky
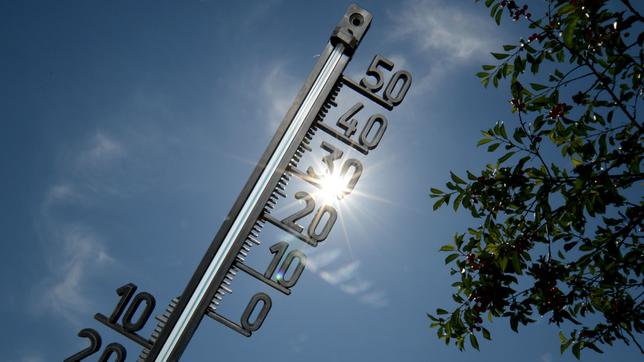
129	128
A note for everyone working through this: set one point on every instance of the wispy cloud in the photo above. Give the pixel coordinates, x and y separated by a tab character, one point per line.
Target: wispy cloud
377	299
60	193
101	148
546	357
71	248
444	31
80	250
445	34
278	89
323	259
342	274
356	286
32	358
329	266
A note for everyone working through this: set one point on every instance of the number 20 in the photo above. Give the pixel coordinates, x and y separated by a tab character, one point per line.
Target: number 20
95	345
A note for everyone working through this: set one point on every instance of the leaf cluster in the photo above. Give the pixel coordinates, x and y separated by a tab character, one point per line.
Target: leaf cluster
560	211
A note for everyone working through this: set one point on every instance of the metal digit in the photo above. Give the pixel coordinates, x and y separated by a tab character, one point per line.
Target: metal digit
310	206
357	172
125	292
382	126
250	308
94	345
131	326
347	122
334	154
113	348
333	215
393	82
301	263
278	249
373	71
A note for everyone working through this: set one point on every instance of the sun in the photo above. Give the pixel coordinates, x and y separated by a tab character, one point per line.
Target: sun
332	188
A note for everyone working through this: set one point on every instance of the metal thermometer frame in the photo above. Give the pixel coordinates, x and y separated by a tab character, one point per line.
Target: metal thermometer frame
251	203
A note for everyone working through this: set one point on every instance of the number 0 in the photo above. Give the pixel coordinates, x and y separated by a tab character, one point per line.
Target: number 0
250	308
372	141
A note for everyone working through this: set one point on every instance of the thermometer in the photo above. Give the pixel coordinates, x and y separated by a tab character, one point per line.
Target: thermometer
255	207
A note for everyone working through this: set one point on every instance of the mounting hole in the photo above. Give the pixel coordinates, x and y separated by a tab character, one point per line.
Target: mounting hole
356	19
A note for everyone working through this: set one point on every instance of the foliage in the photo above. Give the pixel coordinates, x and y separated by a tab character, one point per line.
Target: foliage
560	211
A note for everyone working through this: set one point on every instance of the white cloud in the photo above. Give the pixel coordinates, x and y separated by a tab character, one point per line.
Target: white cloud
60	193
80	250
355	287
278	90
102	148
32	358
376	299
323	259
444	31
546	357
345	275
341	274
445	35
71	248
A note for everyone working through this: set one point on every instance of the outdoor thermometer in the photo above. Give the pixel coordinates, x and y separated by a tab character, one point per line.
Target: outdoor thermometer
306	133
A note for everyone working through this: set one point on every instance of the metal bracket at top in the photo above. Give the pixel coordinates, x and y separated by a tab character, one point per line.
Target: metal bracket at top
353	25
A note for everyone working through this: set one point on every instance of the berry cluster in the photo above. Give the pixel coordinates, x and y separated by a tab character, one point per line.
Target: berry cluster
518	104
516	11
545	288
558	110
534	36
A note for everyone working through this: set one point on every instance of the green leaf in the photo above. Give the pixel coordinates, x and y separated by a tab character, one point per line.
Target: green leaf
564	342
457	202
576	162
593	347
569	31
440	311
486	334
493	147
474	342
448	247
516	264
450	258
537	86
484	141
514	323
560	56
488	67
500	55
567	8
457	179
436	191
497	17
503	263
438	203
576	349
505	157
482	74
494	9
509	47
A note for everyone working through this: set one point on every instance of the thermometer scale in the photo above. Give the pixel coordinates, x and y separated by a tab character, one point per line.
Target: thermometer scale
255	206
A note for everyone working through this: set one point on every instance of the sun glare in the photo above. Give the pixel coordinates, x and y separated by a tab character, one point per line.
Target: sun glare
332	188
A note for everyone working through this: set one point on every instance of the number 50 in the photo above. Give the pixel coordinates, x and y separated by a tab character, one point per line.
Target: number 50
392	93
